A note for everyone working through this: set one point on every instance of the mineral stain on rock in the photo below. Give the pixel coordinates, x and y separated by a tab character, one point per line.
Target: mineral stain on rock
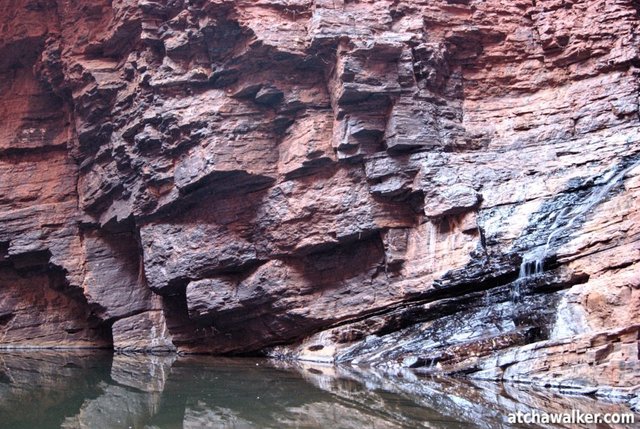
446	186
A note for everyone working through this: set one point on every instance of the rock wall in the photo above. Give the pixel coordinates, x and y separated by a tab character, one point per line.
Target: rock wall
442	185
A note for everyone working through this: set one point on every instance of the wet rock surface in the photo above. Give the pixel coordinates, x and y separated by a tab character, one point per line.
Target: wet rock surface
443	186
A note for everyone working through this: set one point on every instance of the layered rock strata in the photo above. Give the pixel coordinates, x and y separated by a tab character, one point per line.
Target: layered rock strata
443	185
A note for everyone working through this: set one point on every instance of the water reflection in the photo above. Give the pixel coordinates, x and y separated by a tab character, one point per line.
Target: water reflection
97	390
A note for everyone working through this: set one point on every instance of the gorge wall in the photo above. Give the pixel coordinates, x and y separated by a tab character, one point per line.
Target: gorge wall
445	185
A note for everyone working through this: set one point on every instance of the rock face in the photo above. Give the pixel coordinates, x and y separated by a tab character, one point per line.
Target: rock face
442	185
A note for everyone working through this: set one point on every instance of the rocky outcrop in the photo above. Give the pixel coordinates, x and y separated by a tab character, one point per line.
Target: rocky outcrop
442	185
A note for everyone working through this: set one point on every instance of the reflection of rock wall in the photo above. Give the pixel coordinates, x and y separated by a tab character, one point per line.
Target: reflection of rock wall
131	400
38	389
78	391
449	401
227	176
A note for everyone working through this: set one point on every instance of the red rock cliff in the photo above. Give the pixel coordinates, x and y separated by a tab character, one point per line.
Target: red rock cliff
446	185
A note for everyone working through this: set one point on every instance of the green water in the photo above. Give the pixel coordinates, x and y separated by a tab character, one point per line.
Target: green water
89	390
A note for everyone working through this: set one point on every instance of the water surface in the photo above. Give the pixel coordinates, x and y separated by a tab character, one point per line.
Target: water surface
100	390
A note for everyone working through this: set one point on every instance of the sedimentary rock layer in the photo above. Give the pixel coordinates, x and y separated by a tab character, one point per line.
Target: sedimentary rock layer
443	185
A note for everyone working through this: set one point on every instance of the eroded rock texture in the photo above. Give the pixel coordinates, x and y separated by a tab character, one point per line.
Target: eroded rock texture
443	185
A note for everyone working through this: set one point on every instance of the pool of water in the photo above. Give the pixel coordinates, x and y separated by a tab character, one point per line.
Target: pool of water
100	390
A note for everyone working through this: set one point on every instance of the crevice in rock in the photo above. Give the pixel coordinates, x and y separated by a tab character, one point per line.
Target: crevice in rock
30	282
